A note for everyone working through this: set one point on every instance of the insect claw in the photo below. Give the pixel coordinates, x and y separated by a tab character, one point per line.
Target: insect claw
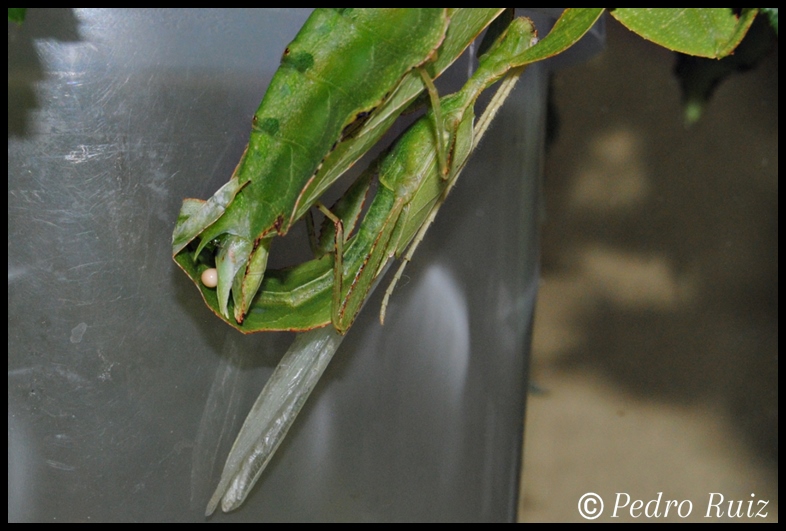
249	279
231	261
197	215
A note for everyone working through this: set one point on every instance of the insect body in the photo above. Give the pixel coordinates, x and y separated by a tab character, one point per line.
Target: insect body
342	82
413	182
311	294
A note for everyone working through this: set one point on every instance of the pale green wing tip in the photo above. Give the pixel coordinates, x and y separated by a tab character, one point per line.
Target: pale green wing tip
224	495
220	497
230	505
211	506
218	494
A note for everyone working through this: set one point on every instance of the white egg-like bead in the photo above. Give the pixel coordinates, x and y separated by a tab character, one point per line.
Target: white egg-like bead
210	277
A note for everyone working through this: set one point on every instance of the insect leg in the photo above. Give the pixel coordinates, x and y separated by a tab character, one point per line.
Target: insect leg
479	130
439	125
338	258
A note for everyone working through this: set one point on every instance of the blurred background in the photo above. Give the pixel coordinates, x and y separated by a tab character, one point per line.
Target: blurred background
655	357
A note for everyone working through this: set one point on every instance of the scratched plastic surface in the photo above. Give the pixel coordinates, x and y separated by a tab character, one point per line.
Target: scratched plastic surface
125	393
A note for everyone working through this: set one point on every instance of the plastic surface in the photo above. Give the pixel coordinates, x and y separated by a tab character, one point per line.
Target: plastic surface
125	393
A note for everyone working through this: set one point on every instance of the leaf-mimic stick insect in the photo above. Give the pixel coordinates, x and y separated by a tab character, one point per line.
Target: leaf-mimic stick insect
345	78
412	187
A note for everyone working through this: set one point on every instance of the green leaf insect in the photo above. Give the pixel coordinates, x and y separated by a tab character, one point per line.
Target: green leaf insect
343	81
412	186
311	295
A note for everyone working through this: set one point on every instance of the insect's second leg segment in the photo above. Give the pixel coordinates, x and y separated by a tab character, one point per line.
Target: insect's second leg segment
338	259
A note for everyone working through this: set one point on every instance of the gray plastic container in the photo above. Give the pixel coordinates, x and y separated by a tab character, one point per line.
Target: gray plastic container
124	391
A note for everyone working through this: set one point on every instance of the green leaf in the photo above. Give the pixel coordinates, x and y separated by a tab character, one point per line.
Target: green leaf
699	76
17	14
567	31
706	32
